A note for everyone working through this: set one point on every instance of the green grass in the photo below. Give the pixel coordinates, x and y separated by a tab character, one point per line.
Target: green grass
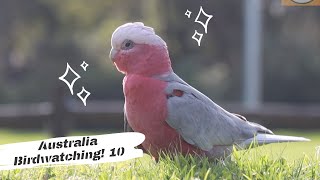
277	161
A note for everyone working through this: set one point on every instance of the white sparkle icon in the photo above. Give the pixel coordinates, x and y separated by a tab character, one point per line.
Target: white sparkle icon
205	25
188	13
197	36
84	99
70	85
84	65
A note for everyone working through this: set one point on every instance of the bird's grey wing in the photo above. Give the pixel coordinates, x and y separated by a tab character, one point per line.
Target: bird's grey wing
200	121
240	116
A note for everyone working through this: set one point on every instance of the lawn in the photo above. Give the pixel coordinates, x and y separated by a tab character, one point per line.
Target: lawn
276	161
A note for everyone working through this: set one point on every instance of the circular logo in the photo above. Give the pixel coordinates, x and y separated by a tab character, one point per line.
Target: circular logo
301	1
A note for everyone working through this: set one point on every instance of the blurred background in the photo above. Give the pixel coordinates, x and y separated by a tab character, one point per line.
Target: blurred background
278	87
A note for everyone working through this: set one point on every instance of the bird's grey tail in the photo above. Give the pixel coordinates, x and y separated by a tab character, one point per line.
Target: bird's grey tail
261	139
260	129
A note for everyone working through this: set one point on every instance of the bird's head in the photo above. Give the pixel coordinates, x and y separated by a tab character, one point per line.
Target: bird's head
136	49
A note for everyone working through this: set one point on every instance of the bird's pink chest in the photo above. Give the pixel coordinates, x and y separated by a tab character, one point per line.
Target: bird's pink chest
146	108
145	105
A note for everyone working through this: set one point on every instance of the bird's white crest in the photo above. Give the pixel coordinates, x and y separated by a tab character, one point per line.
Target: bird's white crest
136	32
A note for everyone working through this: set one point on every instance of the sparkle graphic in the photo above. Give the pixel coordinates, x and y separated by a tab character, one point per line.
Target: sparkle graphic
83	98
84	65
188	13
197	36
70	85
205	25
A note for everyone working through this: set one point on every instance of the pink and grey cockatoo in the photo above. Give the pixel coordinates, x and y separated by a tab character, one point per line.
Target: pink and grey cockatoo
171	114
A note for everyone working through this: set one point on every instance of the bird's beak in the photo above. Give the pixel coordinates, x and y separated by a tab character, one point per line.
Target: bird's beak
112	54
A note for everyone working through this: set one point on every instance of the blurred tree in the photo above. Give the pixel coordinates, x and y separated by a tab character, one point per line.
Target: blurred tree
38	37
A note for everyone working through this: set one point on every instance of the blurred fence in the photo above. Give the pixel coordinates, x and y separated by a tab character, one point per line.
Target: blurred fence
59	119
101	115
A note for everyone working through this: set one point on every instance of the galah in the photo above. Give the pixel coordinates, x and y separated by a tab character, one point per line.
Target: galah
174	116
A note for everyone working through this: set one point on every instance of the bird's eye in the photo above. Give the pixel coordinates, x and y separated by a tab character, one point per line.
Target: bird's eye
127	44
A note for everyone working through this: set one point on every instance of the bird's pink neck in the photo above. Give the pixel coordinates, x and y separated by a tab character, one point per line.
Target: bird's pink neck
156	61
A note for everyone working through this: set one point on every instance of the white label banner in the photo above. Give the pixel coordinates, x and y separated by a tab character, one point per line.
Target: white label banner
71	150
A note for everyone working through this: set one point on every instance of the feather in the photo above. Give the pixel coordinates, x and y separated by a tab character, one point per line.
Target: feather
261	139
